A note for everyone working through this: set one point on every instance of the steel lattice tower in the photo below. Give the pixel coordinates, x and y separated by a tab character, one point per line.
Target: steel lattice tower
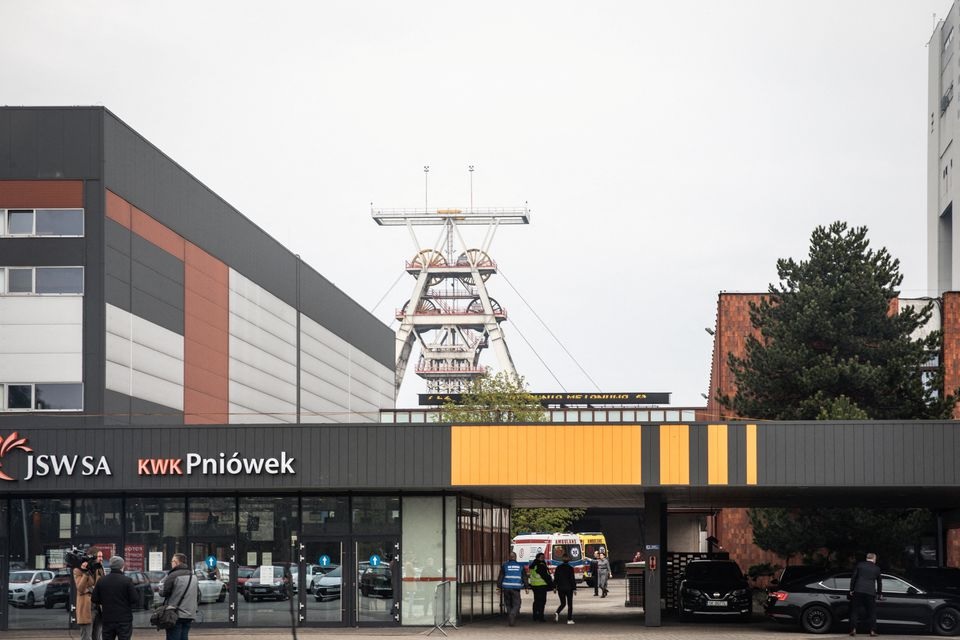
450	312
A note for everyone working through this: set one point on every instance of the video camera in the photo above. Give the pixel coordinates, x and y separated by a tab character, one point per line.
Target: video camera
75	557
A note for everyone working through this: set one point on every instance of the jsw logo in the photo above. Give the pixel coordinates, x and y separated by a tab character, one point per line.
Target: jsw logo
11	443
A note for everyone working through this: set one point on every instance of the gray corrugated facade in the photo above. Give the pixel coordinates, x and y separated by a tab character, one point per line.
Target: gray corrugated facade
92	145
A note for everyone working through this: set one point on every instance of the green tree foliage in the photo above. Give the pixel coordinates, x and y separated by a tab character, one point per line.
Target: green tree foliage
499	398
834	537
829	346
829	349
543	520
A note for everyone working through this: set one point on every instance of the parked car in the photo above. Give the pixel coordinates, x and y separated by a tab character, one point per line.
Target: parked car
376	581
156	577
819	604
243	574
714	587
58	589
141	582
793	573
327	585
276	588
211	589
28	588
940	579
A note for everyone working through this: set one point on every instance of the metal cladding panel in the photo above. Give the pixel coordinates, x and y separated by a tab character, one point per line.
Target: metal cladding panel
47	252
327	457
121	409
698	454
858	454
140	173
40	142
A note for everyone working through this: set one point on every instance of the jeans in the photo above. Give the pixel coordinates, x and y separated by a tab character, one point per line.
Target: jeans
86	631
117	630
869	603
181	630
566	600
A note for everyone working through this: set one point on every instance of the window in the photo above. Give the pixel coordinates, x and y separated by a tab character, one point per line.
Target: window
42	222
41	280
42	396
894	585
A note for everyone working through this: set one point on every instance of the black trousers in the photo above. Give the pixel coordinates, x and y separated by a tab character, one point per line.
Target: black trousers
566	600
117	630
869	603
539	601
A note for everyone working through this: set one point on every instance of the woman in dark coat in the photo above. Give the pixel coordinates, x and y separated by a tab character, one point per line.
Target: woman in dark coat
566	583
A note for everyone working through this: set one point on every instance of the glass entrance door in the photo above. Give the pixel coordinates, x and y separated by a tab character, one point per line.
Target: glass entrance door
216	576
378	580
325	584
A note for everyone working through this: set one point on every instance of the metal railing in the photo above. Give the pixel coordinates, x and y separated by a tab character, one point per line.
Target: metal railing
442	611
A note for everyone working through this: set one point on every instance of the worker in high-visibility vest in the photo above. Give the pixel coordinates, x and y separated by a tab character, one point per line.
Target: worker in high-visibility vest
538	575
512	578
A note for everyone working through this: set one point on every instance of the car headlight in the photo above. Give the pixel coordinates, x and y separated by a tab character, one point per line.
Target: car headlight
741	593
19	590
693	593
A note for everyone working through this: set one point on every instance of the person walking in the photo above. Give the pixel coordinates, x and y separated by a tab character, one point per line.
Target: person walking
85	578
566	584
511	580
603	573
540	581
592	568
181	590
866	587
117	597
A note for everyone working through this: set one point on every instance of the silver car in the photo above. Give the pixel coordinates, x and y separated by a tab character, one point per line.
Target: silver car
27	588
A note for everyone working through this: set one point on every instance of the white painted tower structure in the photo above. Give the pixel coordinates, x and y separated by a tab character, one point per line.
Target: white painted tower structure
450	313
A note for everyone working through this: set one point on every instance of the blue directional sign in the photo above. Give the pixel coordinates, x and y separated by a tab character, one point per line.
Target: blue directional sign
211	562
324	561
374	560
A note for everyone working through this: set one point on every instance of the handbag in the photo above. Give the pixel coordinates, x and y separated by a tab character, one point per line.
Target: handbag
165	617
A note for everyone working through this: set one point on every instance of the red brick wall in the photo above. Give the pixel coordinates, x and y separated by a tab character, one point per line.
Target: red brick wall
730	336
735	534
951	343
953	547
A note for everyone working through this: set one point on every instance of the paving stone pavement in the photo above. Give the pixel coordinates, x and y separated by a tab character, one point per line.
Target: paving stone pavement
596	618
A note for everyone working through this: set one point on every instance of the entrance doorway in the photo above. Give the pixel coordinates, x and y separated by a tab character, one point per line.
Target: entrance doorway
215	571
350	582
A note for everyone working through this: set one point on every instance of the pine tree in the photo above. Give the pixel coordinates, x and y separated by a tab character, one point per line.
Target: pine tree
829	345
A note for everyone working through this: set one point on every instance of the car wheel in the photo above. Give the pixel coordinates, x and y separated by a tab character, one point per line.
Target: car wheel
48	604
31	601
246	597
946	622
684	615
816	619
223	594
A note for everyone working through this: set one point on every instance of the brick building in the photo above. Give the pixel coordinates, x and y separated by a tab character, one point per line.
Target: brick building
731	526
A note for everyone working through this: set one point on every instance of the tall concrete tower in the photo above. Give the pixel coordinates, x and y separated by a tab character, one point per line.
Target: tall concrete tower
450	313
943	119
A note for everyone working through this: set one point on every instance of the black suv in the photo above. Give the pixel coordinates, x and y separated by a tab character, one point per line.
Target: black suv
714	587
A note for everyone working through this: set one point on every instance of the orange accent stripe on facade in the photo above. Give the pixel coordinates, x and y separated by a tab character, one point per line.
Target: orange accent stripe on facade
751	454
122	212
206	338
717	458
544	455
674	454
31	194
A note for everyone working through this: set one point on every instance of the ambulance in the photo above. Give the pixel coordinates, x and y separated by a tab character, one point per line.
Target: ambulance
592	541
553	546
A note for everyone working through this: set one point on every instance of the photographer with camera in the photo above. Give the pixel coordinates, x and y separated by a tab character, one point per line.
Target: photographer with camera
87	571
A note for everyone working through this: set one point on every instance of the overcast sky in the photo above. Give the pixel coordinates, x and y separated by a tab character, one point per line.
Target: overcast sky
668	150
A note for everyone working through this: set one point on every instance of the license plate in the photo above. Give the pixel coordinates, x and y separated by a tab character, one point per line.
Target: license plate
716	603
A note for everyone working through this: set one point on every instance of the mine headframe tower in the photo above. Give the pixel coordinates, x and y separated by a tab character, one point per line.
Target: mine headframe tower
450	312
